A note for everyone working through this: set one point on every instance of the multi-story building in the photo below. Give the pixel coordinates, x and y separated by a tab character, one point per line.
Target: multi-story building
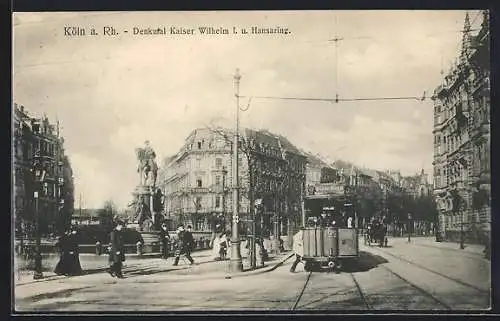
417	185
319	171
462	139
36	136
198	180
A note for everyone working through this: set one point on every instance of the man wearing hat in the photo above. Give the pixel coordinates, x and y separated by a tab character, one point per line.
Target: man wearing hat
183	245
117	251
165	240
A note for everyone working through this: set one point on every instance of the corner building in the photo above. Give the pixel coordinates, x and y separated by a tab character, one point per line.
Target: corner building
462	171
198	181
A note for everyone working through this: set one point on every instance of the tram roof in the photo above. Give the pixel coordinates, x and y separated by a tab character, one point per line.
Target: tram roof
325	196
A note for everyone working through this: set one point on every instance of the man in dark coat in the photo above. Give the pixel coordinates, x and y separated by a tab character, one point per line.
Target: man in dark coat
165	240
117	251
184	245
74	253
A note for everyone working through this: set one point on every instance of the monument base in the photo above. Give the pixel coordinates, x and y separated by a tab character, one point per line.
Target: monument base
151	243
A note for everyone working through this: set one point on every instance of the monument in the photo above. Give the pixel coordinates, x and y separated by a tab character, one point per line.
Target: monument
146	214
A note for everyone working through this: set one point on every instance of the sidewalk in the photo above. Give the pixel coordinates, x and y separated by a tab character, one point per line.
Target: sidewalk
92	264
431	242
156	268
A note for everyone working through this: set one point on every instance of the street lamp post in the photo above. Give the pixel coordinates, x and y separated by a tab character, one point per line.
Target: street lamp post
236	260
39	177
462	230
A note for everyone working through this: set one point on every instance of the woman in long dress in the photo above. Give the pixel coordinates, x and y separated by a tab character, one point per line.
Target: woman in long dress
74	253
62	267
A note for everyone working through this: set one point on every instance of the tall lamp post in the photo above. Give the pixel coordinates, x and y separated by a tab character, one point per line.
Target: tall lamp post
409	227
39	173
224	175
236	260
461	213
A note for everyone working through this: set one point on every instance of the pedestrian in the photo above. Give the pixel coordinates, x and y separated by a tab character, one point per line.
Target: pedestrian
190	239
223	245
183	245
117	252
75	267
62	267
165	240
349	222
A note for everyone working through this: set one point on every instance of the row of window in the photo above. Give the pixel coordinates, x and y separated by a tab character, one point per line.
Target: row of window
481	162
218	163
450	142
200	203
210	144
454	221
482	157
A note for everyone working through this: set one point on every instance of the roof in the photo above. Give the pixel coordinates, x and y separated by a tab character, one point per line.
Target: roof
86	212
288	146
314	160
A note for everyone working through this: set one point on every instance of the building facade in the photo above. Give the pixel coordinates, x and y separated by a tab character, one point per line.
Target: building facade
462	182
198	180
36	137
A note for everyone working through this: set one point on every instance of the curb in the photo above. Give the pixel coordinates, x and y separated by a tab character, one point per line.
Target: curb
265	270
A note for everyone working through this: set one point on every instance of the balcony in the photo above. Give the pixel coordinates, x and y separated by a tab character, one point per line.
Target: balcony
218	188
481	129
199	190
482	82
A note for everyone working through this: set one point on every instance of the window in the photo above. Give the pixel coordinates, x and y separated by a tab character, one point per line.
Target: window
198	163
199	182
198	203
217	180
199	145
218	162
217	201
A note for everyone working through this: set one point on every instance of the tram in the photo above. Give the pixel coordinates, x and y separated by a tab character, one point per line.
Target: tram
329	233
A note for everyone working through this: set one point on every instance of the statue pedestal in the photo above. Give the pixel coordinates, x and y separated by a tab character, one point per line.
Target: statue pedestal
151	242
145	192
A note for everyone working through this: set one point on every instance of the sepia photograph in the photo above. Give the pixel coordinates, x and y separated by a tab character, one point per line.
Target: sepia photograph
263	161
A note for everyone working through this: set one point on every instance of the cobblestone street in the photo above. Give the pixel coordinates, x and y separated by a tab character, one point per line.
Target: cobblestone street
383	279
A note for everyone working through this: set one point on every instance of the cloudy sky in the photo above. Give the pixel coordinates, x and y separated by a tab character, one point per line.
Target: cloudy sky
112	93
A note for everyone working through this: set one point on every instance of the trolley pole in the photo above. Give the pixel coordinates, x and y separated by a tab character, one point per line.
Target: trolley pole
236	260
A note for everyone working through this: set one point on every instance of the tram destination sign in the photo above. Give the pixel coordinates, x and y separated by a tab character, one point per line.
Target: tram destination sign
326	189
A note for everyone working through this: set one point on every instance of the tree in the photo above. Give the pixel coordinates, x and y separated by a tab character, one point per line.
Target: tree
268	174
106	215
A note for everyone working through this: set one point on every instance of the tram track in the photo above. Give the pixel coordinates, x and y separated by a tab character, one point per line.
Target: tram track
362	295
301	293
419	289
401	258
355	281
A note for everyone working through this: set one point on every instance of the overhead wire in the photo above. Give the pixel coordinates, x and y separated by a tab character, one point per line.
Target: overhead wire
337	99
